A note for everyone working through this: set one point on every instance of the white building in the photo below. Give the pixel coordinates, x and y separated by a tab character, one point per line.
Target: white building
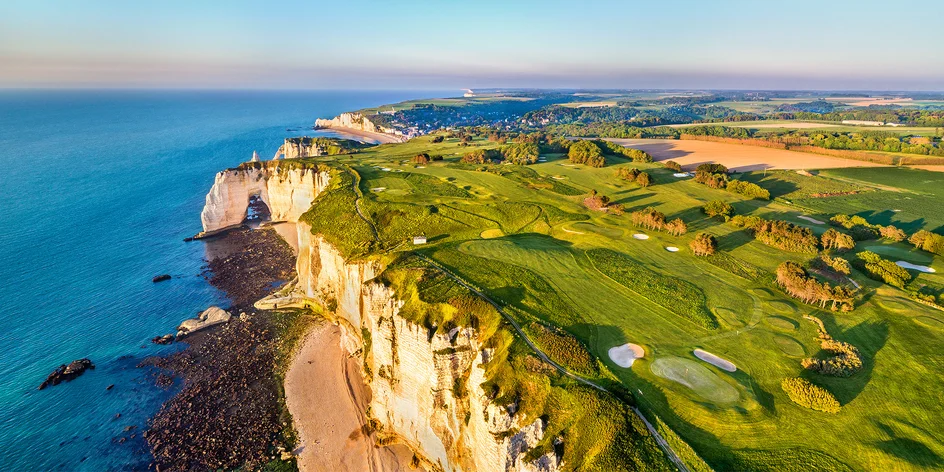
417	240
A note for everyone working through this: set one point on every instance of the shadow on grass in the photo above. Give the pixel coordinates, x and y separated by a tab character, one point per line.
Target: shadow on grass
869	337
907	449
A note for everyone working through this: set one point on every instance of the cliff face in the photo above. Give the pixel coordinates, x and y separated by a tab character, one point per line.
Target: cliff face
299	147
413	376
358	122
287	193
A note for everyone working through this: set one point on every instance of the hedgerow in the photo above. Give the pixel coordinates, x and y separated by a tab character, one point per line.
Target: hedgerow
811	396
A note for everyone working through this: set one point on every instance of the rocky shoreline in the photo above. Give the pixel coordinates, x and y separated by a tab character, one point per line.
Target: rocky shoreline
228	413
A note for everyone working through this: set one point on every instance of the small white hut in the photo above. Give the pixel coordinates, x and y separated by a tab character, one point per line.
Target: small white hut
417	240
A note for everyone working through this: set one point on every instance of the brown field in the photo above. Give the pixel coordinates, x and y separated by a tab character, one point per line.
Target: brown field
735	156
755	124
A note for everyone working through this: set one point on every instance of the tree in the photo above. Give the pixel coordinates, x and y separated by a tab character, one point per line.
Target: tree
649	218
676	227
643	179
481	156
718	208
814	397
883	269
833	239
672	165
928	241
521	153
748	189
794	280
892	233
704	244
421	159
586	152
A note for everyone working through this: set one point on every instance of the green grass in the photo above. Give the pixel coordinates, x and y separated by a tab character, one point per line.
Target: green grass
540	268
699	379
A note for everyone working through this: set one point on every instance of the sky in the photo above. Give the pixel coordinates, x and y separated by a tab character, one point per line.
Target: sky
423	45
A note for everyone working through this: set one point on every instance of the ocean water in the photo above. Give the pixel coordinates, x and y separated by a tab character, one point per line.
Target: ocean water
99	190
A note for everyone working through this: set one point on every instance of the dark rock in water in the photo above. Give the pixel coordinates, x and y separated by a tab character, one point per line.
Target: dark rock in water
188	239
110	387
165	339
161	278
65	372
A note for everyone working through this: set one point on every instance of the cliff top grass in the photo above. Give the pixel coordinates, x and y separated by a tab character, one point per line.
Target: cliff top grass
536	249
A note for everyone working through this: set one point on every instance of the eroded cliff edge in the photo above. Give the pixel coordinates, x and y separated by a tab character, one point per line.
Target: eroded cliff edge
357	122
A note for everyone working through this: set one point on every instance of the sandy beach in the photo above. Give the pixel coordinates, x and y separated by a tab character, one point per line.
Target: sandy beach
358	135
327	397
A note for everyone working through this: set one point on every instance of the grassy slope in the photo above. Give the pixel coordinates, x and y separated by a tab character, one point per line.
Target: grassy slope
540	268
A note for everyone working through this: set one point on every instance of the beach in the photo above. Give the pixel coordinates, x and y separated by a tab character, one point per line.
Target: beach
327	398
365	136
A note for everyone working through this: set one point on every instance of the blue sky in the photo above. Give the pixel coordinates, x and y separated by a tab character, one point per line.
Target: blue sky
438	44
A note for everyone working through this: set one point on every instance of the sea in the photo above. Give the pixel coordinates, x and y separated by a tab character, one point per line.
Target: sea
100	189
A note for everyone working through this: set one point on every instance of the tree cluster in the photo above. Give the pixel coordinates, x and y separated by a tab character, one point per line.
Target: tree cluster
794	280
928	241
844	359
634	175
610	148
779	234
704	244
482	156
748	189
718	208
806	394
650	218
672	165
586	152
883	269
833	239
833	263
862	230
521	153
597	202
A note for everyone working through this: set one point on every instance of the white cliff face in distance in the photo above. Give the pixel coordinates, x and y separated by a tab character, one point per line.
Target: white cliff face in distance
358	122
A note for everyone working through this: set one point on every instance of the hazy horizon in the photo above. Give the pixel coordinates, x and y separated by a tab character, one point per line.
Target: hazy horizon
424	45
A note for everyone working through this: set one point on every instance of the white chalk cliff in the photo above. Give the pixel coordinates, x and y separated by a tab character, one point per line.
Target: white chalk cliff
359	122
294	148
287	192
412	375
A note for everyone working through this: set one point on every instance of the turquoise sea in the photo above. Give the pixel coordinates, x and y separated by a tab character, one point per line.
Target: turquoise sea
101	188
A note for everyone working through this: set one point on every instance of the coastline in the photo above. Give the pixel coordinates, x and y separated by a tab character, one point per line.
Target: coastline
380	138
327	398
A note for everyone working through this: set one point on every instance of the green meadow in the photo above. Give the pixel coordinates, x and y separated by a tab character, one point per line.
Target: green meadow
523	235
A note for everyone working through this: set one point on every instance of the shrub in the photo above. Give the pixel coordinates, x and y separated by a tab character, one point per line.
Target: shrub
421	159
437	139
811	396
797	283
704	244
883	270
711	180
718	208
676	227
626	173
672	165
586	152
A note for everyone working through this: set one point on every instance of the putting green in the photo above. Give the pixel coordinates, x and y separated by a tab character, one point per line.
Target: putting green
729	316
894	305
592	228
705	383
782	306
790	346
781	322
930	322
492	233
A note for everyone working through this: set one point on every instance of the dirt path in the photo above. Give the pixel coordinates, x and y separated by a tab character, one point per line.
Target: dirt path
327	398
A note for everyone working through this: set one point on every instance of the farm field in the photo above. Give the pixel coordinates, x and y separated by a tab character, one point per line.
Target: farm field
787	125
523	236
691	153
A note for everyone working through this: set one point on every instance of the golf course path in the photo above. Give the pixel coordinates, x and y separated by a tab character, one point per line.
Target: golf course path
669	452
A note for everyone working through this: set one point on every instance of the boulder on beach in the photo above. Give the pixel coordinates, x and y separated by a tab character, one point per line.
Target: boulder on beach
209	317
161	278
165	339
64	372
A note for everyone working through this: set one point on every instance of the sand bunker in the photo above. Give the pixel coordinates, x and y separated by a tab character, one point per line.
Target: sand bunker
641	236
811	220
919	268
625	355
378	189
715	360
681	174
672	249
557	178
385	169
572	231
705	383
